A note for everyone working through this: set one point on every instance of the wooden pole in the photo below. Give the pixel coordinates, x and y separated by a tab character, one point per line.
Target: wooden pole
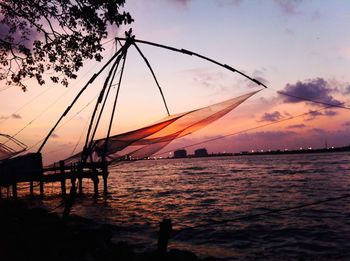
165	229
69	202
96	181
63	179
31	188
0	193
14	190
80	183
41	188
105	176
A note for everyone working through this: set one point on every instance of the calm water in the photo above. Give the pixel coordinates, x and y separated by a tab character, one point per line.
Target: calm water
203	190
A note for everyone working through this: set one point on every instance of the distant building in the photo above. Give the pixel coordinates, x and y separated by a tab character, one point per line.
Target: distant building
180	153
201	153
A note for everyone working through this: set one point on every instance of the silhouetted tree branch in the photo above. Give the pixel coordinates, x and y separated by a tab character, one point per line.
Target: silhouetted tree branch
56	36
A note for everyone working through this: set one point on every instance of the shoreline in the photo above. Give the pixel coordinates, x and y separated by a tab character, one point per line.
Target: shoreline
270	152
36	234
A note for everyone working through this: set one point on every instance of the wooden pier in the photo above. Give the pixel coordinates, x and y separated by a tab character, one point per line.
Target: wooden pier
29	169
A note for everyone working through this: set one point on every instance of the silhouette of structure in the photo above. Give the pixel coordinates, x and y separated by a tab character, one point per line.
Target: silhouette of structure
201	152
180	153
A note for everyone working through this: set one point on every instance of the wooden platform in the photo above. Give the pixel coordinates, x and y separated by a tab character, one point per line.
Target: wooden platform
28	169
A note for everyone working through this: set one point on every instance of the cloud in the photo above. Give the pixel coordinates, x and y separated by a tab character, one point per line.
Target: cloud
266	136
347	89
297	126
18	36
54	136
330	113
3	117
182	3
347	124
228	2
289	7
273	116
313	114
16	116
209	79
319	131
289	31
313	89
258	75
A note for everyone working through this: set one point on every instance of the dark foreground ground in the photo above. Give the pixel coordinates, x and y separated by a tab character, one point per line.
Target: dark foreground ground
35	234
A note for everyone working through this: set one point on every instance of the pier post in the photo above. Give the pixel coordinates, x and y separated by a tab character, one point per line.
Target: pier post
165	229
14	190
0	193
31	188
96	180
80	183
63	179
105	176
41	188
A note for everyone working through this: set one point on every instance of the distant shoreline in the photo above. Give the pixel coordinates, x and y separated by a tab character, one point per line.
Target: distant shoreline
273	152
300	151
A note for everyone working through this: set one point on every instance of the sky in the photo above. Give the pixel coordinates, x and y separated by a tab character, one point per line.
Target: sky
301	47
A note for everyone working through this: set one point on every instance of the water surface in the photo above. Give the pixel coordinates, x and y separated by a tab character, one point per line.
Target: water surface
204	190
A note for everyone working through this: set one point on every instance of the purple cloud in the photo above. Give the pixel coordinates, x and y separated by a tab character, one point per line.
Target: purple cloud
289	7
183	3
209	79
273	116
258	75
330	113
347	89
264	136
319	131
229	2
313	114
313	89
297	126
16	116
54	136
347	124
17	36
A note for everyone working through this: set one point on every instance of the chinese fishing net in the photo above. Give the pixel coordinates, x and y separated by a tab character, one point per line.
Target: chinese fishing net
145	142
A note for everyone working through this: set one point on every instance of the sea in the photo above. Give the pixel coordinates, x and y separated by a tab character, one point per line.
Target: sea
237	207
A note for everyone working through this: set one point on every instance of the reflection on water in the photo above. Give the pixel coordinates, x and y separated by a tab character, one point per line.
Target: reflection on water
203	190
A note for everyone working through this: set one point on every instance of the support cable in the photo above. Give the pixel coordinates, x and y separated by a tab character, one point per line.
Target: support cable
154	76
184	51
101	99
114	107
78	96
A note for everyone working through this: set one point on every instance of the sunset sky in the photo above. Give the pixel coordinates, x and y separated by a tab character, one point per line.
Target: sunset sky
299	46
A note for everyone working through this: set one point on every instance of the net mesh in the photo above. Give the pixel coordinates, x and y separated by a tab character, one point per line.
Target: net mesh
145	142
9	147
